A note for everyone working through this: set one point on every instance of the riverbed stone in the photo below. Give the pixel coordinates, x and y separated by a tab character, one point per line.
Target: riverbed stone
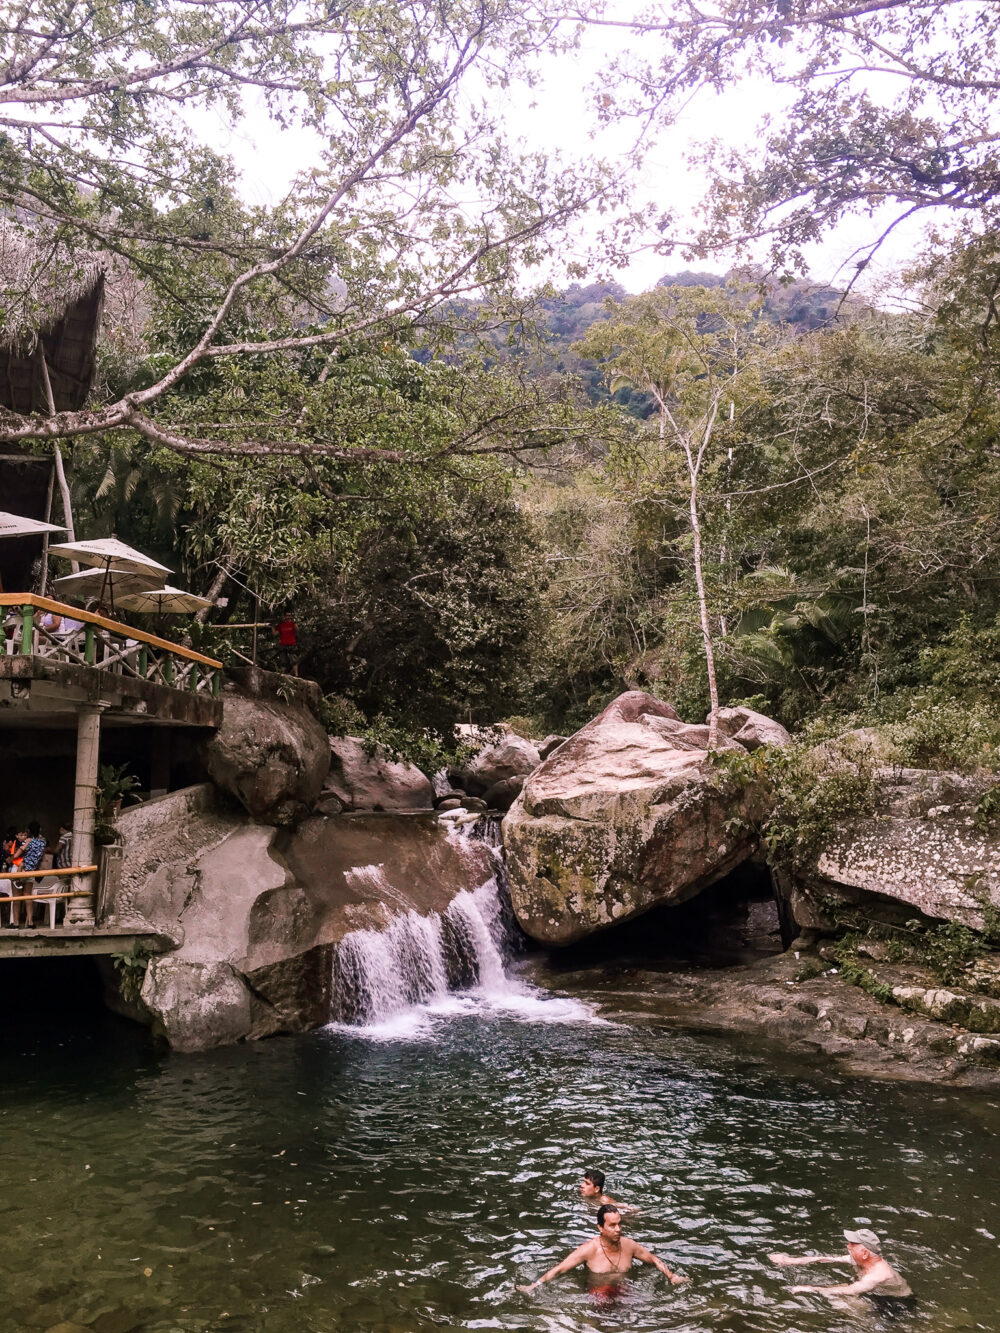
751	729
371	780
272	756
195	1004
972	1012
502	795
549	744
510	757
624	816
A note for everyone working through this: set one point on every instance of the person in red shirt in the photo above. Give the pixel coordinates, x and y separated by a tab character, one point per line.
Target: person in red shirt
287	642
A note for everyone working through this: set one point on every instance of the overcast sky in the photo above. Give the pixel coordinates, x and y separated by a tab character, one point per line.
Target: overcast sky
557	117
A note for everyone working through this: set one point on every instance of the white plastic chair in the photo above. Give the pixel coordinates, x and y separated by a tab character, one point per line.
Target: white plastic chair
50	904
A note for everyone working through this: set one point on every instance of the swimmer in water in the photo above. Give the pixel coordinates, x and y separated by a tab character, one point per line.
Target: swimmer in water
876	1278
592	1190
608	1256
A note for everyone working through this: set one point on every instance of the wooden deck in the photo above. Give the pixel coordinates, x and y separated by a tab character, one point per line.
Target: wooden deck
78	940
133	673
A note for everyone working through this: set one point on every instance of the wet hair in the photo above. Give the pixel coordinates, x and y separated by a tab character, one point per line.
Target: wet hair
595	1177
34	828
604	1211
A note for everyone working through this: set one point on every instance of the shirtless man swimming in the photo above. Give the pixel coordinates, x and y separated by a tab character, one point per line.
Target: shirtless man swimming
592	1189
608	1256
875	1277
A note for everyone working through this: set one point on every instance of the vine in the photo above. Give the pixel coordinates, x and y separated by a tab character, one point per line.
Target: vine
131	969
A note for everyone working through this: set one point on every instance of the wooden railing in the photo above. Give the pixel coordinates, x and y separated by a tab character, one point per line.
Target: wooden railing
105	644
67	873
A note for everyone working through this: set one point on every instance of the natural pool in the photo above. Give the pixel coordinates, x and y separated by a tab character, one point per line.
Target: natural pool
406	1180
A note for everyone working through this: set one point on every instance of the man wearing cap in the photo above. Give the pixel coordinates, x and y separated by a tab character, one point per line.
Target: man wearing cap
875	1276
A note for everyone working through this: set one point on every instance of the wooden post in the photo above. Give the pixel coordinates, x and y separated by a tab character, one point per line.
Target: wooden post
45	538
88	751
109	879
27	629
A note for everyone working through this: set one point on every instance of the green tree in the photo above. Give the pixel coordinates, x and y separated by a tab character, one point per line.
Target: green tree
890	103
98	153
683	347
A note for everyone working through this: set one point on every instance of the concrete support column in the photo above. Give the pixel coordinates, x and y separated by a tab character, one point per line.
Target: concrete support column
80	911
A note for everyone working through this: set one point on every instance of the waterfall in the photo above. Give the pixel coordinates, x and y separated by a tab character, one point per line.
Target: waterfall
418	960
390	982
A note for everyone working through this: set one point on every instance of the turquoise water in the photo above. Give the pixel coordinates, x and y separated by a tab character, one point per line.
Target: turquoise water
405	1181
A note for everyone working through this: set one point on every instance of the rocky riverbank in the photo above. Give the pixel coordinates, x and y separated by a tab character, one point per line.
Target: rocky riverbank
887	912
799	1001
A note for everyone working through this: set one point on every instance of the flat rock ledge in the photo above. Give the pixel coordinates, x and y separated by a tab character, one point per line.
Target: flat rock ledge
806	1008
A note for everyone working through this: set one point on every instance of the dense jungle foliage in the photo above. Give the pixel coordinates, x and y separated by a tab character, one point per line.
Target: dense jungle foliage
849	508
485	497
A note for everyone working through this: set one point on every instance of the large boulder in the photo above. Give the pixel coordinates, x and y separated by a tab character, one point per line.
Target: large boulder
364	781
271	756
502	795
922	851
256	913
750	729
510	757
624	816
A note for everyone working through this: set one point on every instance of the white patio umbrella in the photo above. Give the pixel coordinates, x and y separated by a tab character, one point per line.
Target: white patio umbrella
14	525
107	584
109	553
164	601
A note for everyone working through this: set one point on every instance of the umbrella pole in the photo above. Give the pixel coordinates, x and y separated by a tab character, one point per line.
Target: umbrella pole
45	538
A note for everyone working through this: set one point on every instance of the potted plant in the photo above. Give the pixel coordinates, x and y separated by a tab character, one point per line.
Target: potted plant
114	784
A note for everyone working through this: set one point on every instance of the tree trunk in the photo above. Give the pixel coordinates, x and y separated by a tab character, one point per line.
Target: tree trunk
217	585
67	504
706	627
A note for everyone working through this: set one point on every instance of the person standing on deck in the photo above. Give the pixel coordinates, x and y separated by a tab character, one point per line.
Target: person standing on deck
287	633
32	852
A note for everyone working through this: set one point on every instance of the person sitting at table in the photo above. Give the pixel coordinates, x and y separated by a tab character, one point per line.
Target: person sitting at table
7	886
59	627
7	847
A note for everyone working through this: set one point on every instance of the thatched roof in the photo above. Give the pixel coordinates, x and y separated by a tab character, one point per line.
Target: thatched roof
51	301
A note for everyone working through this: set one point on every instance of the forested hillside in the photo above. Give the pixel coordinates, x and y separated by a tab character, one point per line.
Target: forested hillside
847	500
485	497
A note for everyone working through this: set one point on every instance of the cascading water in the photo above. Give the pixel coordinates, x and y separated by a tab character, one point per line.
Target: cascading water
423	964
